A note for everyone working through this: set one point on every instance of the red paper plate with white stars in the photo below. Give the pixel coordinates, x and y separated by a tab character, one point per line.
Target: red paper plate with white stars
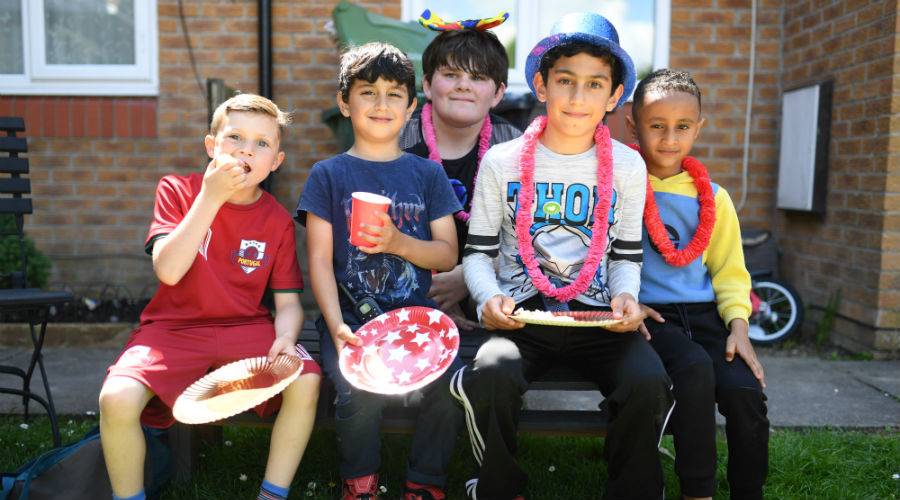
403	350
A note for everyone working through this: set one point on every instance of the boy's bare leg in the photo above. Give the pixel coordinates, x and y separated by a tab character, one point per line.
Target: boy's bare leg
292	429
122	399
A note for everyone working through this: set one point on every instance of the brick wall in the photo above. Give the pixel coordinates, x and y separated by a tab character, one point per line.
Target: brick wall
854	247
93	189
711	39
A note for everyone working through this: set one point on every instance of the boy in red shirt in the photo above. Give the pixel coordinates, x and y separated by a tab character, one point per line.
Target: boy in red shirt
218	241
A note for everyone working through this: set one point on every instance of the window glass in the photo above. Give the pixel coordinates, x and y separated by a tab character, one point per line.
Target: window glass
89	31
12	58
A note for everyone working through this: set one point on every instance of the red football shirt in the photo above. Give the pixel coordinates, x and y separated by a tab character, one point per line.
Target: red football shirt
247	249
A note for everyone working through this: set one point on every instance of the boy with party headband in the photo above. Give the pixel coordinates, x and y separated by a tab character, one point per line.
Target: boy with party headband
695	282
218	242
560	210
377	92
465	75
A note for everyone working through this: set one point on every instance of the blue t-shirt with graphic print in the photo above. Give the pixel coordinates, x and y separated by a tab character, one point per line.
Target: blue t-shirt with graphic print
420	193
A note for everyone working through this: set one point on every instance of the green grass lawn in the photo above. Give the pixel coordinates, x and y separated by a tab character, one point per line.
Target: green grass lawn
818	464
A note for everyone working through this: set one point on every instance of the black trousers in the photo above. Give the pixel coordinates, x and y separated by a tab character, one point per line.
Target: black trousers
691	344
625	367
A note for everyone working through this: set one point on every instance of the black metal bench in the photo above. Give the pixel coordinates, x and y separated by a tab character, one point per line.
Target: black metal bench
186	440
17	296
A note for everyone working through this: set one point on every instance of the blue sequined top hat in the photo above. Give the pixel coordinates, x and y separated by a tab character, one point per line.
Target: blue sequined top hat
583	27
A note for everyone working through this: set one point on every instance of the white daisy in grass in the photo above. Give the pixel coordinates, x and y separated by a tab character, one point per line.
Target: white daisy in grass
243	477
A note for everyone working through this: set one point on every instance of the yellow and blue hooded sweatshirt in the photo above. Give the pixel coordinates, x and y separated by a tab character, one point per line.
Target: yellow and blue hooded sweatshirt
719	275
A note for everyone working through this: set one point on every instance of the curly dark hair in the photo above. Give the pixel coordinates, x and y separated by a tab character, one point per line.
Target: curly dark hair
372	61
664	81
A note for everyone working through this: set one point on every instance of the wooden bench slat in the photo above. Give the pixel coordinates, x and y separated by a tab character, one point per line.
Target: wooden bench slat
12	123
14	165
15	205
15	185
13	144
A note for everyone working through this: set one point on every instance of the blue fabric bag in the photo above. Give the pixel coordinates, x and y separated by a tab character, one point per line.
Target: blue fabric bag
78	472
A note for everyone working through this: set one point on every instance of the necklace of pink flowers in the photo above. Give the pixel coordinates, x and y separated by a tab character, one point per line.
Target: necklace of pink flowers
524	218
484	142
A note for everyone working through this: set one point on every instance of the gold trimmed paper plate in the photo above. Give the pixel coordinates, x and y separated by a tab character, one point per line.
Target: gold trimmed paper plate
565	318
235	388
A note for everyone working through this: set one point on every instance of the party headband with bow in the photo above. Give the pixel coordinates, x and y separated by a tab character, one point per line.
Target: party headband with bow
435	23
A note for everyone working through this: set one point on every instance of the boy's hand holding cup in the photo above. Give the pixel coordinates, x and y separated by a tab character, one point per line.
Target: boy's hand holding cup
371	228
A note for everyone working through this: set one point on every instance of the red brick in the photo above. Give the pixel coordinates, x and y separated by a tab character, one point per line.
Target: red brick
148	112
92	117
106	117
77	112
30	109
135	118
121	118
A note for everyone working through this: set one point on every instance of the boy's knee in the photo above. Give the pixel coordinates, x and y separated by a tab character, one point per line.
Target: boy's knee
498	365
745	404
698	376
122	399
498	355
354	402
651	390
303	391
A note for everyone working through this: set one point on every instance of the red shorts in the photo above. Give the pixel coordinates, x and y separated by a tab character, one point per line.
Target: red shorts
168	359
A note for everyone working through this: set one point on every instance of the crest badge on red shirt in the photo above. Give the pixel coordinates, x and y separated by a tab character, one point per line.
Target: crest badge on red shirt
251	255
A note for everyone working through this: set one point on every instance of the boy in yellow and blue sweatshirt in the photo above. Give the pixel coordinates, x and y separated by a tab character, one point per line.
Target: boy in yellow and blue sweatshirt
699	301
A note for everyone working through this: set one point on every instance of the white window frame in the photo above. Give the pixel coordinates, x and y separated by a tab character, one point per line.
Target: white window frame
526	19
40	78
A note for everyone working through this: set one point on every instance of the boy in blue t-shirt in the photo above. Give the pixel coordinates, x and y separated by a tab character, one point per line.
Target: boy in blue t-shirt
377	93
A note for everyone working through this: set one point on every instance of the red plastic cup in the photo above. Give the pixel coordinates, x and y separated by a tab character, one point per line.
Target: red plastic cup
364	210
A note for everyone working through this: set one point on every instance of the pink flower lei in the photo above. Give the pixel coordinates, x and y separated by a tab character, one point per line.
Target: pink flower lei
524	217
484	142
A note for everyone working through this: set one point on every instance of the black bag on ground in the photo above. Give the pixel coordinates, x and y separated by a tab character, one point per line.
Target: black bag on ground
78	472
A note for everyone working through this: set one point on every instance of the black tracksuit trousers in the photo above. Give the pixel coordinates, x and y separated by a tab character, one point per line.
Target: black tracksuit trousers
691	344
629	374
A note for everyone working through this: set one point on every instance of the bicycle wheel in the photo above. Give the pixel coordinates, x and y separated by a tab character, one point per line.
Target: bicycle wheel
780	312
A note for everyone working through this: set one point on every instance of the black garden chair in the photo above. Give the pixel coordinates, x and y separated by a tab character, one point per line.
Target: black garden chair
17	297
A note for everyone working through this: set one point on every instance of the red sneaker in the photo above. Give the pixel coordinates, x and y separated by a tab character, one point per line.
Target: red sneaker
416	491
365	487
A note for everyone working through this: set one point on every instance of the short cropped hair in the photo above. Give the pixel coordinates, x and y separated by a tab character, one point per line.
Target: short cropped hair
372	61
250	103
573	49
664	81
478	53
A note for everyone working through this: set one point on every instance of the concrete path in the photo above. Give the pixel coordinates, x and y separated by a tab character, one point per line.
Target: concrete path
802	391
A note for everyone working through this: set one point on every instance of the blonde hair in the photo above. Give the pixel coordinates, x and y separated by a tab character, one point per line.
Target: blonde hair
250	103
